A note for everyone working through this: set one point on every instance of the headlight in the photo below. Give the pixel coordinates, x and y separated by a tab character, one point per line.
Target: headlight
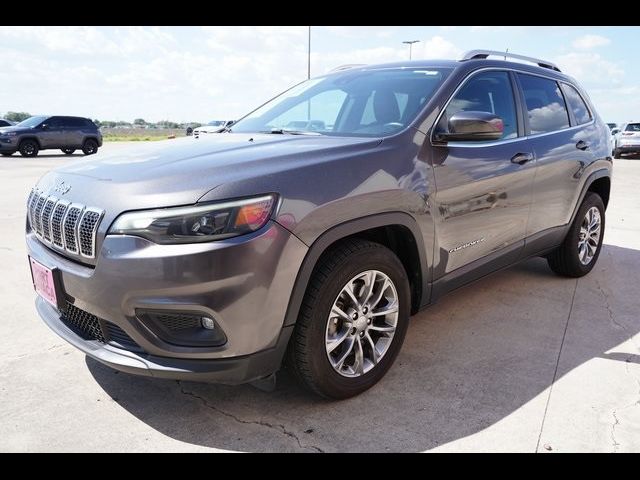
8	134
202	223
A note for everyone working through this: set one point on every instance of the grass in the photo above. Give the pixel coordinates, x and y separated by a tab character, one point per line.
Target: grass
139	134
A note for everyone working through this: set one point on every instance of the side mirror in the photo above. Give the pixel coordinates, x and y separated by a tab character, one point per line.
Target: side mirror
44	126
472	126
229	123
615	131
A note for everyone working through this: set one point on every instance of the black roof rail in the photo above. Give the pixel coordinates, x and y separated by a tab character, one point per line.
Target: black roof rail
477	54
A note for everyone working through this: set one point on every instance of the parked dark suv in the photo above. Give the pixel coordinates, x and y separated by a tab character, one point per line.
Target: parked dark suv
219	259
41	133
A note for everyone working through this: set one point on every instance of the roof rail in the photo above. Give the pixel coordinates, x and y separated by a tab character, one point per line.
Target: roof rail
474	54
348	66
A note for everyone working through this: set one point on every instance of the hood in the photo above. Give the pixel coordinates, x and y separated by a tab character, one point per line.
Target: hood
179	172
14	128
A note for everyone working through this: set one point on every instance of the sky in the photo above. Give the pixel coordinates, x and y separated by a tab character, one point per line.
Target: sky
204	73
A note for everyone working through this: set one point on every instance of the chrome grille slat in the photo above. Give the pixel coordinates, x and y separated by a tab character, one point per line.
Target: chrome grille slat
45	219
37	215
56	223
67	226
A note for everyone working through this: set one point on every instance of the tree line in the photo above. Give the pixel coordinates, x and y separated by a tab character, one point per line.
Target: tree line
138	122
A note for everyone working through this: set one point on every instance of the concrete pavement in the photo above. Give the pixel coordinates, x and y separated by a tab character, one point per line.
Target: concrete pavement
520	361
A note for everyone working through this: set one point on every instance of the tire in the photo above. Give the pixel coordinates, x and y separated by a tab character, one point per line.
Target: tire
7	154
566	260
28	148
616	153
90	147
68	151
308	355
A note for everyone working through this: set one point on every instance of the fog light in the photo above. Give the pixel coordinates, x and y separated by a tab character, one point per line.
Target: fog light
208	323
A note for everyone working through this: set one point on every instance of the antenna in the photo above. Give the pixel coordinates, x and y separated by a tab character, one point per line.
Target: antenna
505	53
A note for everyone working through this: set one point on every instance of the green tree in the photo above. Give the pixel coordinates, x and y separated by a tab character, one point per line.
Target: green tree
97	122
139	121
17	116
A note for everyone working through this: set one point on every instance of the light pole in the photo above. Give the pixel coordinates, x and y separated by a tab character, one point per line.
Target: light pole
410	43
309	55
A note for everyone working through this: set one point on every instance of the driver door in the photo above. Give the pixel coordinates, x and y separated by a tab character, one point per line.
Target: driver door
483	189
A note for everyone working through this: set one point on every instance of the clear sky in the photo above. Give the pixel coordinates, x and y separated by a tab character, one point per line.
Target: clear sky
204	73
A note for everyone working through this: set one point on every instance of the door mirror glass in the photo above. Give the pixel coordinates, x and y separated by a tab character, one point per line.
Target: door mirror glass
44	126
472	126
615	131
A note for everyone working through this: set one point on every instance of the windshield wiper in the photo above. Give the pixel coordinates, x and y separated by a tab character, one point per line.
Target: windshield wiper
283	131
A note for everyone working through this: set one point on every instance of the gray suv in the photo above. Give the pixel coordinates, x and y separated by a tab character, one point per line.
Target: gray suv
42	132
223	259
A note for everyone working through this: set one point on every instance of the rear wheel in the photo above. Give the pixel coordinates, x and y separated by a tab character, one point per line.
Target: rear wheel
353	320
581	248
90	147
28	148
68	151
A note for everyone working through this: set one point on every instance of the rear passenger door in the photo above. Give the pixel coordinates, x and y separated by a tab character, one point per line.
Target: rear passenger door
559	136
74	131
483	188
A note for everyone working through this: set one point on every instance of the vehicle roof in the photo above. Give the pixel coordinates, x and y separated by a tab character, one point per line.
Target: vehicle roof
466	65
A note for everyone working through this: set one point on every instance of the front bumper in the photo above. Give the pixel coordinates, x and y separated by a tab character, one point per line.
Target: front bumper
635	148
244	283
230	371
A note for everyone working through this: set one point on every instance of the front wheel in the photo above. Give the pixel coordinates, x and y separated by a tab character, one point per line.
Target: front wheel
28	148
90	147
7	154
581	247
353	320
616	153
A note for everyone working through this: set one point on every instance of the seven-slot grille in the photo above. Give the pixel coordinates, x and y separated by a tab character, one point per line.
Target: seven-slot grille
70	227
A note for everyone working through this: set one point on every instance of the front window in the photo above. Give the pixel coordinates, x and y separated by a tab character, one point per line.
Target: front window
489	92
32	122
357	103
216	123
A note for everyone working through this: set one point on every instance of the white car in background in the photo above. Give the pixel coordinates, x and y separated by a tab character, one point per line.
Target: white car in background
214	126
627	139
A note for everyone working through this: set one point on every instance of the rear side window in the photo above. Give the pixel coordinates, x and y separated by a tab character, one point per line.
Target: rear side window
486	92
545	104
72	122
577	105
632	127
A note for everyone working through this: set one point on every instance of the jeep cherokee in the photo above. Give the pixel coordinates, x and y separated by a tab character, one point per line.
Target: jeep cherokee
222	259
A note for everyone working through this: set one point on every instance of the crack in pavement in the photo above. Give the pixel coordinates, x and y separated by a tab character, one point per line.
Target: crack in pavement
555	372
627	362
277	427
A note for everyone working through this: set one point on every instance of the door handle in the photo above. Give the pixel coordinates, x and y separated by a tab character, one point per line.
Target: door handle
522	158
582	145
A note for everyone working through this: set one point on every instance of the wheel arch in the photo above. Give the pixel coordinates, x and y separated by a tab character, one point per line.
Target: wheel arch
598	182
396	230
30	137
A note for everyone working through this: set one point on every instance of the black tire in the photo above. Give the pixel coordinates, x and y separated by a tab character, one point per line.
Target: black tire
68	151
90	147
616	153
565	259
7	154
28	148
307	356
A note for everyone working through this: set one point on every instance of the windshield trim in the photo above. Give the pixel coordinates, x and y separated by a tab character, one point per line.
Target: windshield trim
447	71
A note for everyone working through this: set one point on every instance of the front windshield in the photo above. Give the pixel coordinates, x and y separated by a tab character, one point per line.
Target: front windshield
216	123
358	103
31	122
